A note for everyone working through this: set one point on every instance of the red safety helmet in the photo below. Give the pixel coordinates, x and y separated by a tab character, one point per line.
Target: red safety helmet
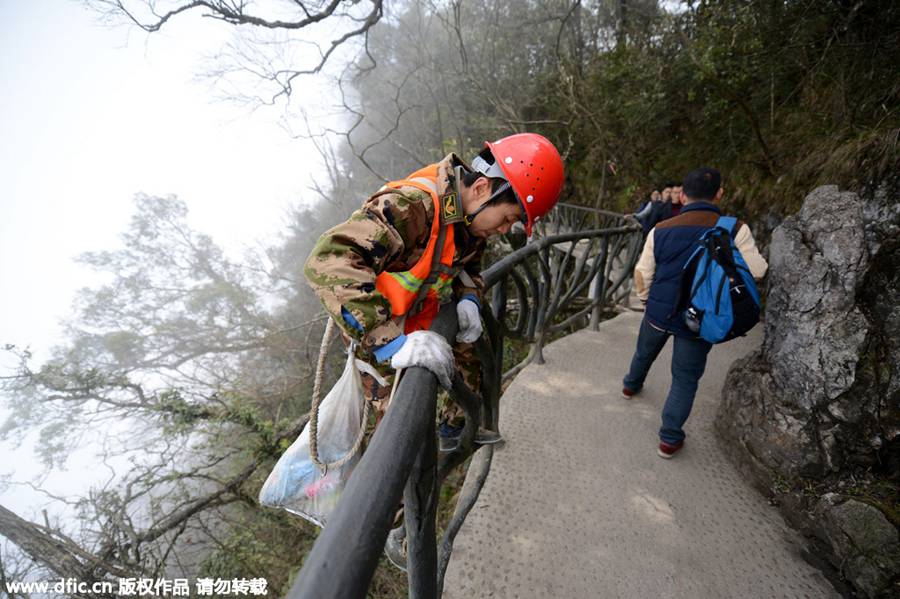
534	169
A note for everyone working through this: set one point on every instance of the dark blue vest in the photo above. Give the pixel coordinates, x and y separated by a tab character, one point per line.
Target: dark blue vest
674	240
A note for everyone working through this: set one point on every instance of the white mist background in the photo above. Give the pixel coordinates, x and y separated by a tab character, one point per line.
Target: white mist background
89	116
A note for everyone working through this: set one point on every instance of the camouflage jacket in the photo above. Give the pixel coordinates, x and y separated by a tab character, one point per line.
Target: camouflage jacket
389	232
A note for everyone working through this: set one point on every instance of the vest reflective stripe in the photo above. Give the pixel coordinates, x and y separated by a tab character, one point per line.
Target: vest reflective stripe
409	282
442	285
412	283
402	288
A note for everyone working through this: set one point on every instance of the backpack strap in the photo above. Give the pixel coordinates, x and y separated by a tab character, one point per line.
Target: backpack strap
688	287
687	278
724	254
729	223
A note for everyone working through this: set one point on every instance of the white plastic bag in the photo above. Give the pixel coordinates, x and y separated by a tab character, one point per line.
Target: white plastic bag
296	483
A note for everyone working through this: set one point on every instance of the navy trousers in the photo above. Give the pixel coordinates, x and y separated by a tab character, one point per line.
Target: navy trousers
688	365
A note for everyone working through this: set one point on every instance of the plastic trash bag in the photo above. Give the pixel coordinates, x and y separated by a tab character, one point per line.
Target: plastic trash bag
298	485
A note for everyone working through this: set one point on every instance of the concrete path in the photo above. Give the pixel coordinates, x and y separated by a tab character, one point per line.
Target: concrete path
578	504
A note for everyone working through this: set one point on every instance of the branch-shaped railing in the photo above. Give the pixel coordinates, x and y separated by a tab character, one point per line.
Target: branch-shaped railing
560	281
566	218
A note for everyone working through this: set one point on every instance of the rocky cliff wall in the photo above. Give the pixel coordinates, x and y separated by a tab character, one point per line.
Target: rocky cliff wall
814	415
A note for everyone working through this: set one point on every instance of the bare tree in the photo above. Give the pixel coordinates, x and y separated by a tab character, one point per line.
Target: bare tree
279	40
187	385
15	566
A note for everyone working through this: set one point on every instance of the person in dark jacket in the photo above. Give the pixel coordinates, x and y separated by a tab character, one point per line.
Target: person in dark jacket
657	210
656	282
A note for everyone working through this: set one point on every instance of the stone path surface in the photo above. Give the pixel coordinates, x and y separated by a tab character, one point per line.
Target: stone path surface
578	504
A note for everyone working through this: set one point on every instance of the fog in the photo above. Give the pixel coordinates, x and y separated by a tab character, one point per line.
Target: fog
90	116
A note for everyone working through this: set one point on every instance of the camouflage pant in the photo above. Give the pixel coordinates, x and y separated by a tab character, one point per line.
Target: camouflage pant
449	411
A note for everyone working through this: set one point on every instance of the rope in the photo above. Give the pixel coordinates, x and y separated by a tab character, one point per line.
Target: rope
314	409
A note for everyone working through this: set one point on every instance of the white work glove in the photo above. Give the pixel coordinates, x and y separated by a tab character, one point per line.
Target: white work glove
428	350
469	321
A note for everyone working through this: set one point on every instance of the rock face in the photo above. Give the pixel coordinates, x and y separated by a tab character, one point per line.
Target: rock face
822	396
865	544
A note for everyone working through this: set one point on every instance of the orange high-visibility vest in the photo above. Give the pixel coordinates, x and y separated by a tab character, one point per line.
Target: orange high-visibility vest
402	288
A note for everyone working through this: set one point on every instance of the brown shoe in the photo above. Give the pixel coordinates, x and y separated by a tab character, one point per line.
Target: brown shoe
395	547
484	436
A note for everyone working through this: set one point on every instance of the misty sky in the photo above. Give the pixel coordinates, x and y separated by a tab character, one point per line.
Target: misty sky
89	116
87	122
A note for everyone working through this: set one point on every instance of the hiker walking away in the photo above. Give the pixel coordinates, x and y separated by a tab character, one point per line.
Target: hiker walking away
657	280
416	244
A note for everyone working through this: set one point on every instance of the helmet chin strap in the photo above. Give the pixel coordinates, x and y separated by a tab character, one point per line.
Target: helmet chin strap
500	190
470	218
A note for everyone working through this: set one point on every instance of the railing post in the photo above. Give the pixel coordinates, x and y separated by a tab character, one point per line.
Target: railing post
542	301
598	285
420	500
537	349
596	290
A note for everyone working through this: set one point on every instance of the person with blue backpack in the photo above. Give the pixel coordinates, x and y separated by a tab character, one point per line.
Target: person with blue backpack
696	276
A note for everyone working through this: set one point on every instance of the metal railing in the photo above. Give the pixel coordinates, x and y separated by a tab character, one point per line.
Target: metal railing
560	281
566	218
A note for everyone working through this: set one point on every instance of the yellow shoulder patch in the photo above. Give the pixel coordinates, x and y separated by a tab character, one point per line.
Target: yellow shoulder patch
452	211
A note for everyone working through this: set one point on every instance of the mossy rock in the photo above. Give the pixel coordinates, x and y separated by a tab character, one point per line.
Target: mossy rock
864	543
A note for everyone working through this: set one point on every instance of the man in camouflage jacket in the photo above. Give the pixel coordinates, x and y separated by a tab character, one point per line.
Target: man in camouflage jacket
391	231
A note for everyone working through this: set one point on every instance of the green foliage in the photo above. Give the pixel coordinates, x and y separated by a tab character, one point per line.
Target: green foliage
781	96
266	544
779	484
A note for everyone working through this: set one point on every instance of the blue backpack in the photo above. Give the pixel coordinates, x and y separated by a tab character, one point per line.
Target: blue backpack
718	295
